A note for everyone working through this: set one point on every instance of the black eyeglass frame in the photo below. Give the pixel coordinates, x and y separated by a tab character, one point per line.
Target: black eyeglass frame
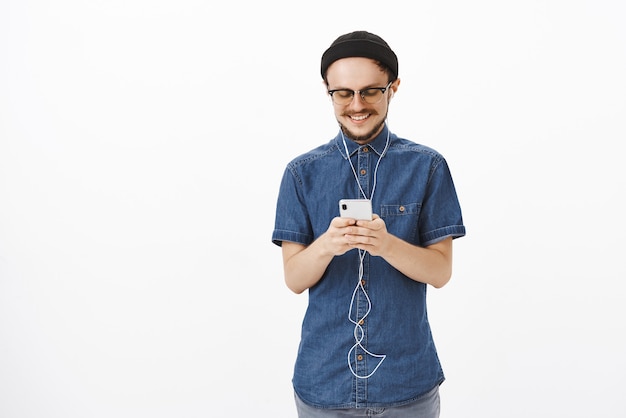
360	92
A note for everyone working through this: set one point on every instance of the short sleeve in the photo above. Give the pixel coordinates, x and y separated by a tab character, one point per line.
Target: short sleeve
440	216
292	221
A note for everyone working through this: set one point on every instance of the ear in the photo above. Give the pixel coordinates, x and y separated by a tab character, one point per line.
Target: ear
325	90
394	87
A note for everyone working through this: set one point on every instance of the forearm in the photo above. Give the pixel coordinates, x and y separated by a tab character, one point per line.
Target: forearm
431	265
304	266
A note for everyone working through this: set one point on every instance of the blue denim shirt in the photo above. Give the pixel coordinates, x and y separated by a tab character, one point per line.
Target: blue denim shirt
416	198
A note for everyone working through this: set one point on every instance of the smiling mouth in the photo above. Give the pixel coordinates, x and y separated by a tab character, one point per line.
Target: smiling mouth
359	118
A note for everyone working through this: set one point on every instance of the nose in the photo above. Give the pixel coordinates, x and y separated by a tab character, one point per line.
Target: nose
357	101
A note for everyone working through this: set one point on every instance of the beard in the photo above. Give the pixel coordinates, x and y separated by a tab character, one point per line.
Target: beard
362	139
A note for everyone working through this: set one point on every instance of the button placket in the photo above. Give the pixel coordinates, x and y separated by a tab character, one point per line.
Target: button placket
363	170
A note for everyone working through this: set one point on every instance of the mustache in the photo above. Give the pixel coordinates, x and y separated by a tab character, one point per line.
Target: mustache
370	111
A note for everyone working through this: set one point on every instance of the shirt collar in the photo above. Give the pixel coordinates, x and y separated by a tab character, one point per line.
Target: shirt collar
377	145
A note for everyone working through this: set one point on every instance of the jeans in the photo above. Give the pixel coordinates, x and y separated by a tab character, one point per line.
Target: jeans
426	406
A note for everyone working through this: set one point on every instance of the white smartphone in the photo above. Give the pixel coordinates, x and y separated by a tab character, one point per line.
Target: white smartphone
356	209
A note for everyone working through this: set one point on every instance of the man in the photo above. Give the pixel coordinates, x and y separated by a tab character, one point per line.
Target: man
366	343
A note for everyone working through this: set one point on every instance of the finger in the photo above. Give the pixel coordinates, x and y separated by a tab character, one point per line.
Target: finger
342	222
358	230
361	239
375	225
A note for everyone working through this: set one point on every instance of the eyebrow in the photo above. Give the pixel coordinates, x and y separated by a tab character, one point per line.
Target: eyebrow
376	86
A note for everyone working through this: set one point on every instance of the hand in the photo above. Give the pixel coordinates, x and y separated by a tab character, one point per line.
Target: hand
335	241
370	236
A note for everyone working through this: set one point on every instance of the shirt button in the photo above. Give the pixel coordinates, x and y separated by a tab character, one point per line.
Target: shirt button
361	322
359	357
362	282
401	208
366	149
363	172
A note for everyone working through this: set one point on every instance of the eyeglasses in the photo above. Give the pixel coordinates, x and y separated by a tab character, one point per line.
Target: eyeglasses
371	95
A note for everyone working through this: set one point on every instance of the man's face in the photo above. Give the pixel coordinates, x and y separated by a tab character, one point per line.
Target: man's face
359	120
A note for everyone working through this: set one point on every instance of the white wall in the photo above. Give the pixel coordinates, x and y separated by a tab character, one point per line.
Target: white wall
141	147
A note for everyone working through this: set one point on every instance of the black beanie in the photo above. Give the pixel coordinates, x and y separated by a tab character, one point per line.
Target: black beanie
360	44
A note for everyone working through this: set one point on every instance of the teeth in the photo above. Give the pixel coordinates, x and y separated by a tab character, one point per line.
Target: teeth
359	117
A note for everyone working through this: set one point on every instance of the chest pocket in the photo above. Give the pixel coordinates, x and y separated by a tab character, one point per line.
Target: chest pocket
401	220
